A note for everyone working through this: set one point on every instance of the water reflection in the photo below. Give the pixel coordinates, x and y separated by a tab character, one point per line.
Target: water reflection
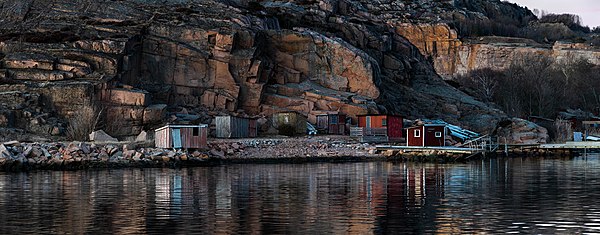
495	196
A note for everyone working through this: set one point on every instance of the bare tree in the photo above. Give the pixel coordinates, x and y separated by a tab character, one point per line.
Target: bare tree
482	83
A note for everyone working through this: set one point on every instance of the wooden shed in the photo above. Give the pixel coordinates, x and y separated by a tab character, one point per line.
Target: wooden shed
293	119
426	135
182	136
333	124
235	127
390	125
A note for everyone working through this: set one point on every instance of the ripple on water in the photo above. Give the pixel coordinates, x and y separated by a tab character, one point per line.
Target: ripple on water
492	196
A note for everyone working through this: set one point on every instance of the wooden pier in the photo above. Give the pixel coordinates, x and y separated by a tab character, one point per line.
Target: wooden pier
486	146
572	145
408	149
475	147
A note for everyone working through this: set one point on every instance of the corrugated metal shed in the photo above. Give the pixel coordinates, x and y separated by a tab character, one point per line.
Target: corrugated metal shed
235	127
296	120
334	124
182	136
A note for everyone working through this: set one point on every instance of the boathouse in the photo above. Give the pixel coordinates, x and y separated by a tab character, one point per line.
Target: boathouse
290	123
426	135
235	127
182	136
333	124
378	128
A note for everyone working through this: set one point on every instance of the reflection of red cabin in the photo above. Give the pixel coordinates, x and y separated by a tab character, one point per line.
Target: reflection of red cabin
391	124
426	135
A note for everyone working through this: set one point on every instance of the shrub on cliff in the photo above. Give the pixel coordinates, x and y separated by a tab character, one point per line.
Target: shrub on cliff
83	122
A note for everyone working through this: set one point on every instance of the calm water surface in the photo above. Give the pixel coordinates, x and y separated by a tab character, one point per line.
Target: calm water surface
492	196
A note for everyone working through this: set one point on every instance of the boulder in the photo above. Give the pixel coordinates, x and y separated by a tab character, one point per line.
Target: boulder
143	136
154	113
101	136
4	152
520	131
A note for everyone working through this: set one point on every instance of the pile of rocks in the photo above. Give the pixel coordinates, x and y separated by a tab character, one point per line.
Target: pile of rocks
16	156
290	148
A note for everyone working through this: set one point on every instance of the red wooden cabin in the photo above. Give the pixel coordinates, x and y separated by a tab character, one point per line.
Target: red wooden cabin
391	124
426	135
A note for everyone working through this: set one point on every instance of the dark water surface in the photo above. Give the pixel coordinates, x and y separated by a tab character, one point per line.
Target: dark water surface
492	196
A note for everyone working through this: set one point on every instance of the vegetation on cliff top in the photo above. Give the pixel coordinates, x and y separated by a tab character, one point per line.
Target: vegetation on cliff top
537	85
487	18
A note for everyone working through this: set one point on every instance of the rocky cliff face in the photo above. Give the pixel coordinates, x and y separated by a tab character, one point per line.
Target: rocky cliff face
453	57
136	57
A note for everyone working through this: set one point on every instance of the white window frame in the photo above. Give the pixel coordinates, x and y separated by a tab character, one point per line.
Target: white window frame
438	134
417	133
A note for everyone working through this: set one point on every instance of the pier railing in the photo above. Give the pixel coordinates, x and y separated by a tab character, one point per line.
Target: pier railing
363	131
483	144
369	134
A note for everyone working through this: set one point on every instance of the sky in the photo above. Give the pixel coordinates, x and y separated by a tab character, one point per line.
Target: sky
589	10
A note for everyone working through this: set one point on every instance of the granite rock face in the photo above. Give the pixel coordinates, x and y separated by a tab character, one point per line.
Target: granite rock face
243	56
519	131
453	57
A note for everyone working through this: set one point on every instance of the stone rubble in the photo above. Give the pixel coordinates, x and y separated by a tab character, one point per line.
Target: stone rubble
16	156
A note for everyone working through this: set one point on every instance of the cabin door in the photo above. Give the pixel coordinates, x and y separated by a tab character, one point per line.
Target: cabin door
368	122
176	133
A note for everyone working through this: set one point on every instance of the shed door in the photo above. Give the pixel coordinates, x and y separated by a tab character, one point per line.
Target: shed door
176	133
252	128
322	122
368	122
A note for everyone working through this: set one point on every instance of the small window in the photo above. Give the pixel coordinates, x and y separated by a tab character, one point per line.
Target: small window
417	133
196	131
438	134
384	122
333	119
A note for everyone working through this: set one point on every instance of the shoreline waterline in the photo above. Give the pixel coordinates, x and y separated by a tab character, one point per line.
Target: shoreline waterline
25	157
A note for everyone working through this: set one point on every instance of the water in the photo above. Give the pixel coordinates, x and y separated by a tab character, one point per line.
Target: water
493	196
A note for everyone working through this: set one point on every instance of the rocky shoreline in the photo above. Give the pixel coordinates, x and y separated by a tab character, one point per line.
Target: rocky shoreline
16	156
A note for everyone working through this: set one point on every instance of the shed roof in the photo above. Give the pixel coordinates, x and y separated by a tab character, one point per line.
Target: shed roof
422	125
328	114
376	115
250	118
457	131
182	126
